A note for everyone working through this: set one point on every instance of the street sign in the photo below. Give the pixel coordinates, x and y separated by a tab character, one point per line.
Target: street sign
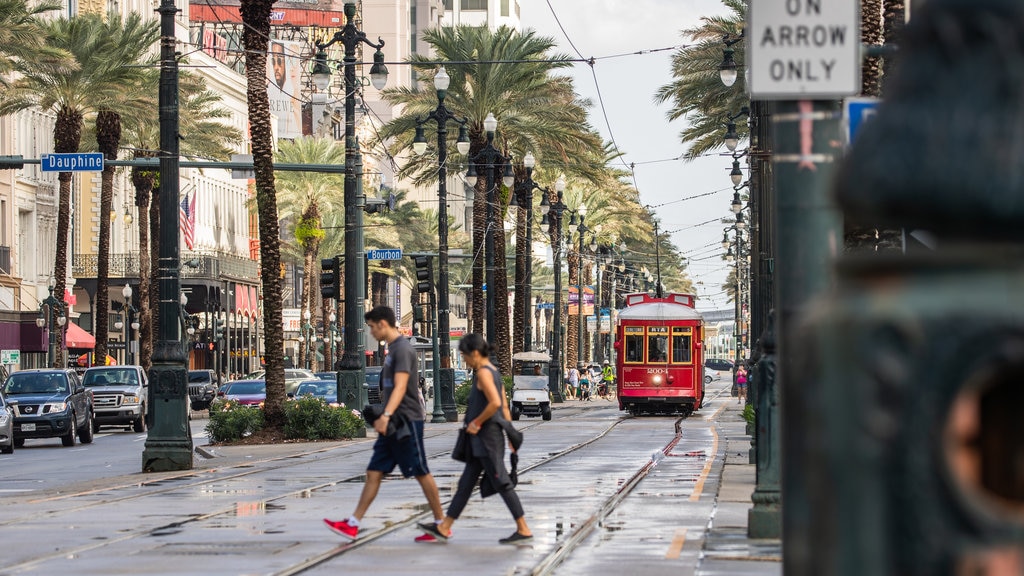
384	254
856	111
10	356
78	162
803	49
242	174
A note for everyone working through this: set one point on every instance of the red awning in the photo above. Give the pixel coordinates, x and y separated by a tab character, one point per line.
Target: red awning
78	338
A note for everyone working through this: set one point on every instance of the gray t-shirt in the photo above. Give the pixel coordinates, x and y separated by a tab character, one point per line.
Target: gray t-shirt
402	358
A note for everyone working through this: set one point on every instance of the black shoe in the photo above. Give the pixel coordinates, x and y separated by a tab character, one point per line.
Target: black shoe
432	529
516	538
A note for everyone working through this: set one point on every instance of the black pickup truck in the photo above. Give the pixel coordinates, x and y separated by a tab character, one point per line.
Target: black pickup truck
52	403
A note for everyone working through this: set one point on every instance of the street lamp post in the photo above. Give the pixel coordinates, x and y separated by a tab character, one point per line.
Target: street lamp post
333	336
445	387
490	159
551	216
54	315
169	442
353	361
131	324
307	336
526	188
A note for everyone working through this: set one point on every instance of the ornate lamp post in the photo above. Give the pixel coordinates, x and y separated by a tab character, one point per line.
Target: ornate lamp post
307	336
54	316
551	215
353	361
490	159
441	115
580	227
331	339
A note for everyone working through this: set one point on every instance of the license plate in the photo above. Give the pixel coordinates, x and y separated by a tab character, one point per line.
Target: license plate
28	427
531	399
529	403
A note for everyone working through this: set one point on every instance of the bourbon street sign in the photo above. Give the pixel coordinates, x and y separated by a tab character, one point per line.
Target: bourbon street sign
803	49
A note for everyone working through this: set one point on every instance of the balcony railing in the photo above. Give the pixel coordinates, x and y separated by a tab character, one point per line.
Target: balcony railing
212	266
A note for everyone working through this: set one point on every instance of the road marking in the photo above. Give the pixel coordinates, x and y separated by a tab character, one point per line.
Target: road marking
717	412
676	548
699	487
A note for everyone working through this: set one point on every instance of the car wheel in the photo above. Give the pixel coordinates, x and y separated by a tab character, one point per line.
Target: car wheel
707	379
546	414
140	423
85	432
69	438
19	442
515	412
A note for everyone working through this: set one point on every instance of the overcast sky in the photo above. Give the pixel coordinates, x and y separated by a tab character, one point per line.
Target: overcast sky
639	126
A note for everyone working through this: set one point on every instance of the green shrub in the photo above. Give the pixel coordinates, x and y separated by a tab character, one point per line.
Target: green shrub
232	421
311	418
748	414
462	393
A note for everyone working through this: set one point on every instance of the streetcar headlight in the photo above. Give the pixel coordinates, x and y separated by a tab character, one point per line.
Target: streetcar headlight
656	379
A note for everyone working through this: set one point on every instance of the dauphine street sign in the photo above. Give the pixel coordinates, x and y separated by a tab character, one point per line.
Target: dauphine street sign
77	162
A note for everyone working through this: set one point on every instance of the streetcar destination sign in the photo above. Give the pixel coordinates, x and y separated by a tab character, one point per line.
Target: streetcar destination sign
77	162
384	254
803	49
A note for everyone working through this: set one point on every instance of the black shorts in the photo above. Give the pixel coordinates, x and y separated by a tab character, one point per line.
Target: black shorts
408	454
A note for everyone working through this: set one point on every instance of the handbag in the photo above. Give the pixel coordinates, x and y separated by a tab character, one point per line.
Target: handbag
462	449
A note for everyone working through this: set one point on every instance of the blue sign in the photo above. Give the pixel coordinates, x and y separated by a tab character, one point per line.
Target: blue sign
384	254
78	162
857	111
546	306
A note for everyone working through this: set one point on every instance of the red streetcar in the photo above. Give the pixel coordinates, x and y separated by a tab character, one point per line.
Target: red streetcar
660	365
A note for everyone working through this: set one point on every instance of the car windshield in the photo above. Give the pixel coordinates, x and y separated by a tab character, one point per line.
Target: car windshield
314	388
36	383
200	376
297	374
531	382
239	388
373	377
109	377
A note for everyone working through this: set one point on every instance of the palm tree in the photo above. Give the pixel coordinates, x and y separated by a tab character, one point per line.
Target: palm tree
697	92
22	36
203	135
535	110
133	39
256	19
304	197
96	82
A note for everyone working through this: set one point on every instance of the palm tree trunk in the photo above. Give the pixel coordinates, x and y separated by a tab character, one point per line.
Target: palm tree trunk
572	320
256	17
143	181
108	137
307	301
501	328
871	33
67	135
519	318
476	297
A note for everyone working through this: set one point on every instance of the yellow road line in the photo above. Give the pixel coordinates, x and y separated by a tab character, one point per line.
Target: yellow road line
699	487
676	548
715	415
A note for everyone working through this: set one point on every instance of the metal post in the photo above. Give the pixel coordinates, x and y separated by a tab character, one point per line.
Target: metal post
169	442
527	291
492	198
808	228
581	327
555	371
597	310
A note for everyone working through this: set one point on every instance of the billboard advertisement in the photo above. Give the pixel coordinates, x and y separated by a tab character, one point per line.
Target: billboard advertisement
284	85
320	13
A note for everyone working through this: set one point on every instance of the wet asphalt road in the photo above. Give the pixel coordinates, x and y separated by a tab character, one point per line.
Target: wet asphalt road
258	510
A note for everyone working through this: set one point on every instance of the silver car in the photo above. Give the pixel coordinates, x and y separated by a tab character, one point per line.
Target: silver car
7	425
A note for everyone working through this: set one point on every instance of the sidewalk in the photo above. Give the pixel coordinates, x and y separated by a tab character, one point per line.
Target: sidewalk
727	549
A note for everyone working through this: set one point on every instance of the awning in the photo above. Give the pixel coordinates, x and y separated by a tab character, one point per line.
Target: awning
78	338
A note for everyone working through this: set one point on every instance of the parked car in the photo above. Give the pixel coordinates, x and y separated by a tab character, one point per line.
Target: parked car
52	403
120	396
292	377
325	390
716	368
7	410
202	388
246	392
461	376
372	378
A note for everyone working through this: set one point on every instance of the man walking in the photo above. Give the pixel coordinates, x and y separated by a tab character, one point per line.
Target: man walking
402	403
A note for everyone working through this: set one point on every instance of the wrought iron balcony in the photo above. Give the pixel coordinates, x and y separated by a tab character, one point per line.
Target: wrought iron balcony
209	266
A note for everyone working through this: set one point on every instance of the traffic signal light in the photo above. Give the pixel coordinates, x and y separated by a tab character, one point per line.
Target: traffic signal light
218	330
424	274
330	278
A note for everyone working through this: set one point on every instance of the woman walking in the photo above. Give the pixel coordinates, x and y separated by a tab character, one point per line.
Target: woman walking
741	385
487	442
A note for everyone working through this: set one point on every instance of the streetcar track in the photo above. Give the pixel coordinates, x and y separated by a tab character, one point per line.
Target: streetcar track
64	553
583	530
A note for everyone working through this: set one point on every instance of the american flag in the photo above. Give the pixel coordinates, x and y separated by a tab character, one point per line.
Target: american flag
187	219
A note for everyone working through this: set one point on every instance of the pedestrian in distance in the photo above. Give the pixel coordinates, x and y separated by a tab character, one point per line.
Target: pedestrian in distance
403	447
487	415
574	382
741	385
607	381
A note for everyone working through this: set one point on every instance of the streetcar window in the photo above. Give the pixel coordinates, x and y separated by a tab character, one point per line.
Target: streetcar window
657	344
681	342
634	344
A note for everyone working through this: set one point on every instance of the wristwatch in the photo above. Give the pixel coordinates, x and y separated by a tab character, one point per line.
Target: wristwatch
387	413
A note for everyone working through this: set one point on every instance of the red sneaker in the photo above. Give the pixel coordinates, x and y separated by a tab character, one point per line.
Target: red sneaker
429	538
343	529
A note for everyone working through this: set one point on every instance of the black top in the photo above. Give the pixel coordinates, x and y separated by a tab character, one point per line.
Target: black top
478	401
402	358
